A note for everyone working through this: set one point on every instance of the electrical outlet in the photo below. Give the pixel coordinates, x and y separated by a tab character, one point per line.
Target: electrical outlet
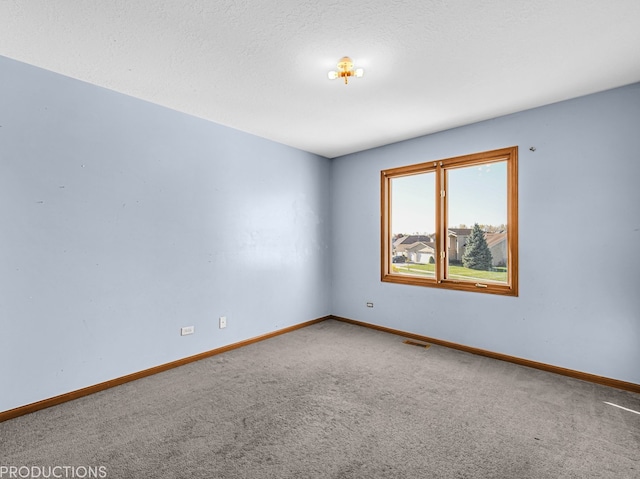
187	330
222	322
369	305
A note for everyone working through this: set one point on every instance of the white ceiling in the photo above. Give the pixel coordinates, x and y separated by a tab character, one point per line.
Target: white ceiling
261	66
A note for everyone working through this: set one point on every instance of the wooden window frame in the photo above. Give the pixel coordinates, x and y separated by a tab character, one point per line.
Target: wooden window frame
440	167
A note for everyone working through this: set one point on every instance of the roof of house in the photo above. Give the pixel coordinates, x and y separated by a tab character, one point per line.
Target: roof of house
460	231
494	238
410	239
421	247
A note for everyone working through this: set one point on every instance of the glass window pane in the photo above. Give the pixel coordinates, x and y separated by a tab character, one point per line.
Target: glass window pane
477	223
413	225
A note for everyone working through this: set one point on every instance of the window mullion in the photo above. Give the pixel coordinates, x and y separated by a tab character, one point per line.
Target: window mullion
441	236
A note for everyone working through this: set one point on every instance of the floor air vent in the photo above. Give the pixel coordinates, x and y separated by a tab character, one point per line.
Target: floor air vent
414	343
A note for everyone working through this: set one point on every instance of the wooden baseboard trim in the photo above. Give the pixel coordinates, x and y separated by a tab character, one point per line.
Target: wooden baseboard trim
614	383
45	403
70	396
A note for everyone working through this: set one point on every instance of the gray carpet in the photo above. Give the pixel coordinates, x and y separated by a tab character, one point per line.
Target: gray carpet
335	400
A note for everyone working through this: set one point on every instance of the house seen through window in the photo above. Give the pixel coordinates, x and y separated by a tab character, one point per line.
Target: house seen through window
452	223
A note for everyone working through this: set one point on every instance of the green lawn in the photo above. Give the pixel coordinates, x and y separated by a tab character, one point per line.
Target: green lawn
455	272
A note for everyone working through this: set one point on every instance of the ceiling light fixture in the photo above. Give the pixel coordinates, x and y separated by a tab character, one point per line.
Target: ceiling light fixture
345	70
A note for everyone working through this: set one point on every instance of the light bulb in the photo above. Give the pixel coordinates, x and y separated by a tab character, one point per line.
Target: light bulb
332	75
359	72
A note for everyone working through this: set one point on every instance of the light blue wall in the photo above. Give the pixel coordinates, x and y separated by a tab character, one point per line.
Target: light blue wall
123	221
579	219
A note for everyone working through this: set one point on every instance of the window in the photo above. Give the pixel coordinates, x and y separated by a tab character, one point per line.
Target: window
453	223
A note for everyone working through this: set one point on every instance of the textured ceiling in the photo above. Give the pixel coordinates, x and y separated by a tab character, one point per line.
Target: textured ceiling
260	66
